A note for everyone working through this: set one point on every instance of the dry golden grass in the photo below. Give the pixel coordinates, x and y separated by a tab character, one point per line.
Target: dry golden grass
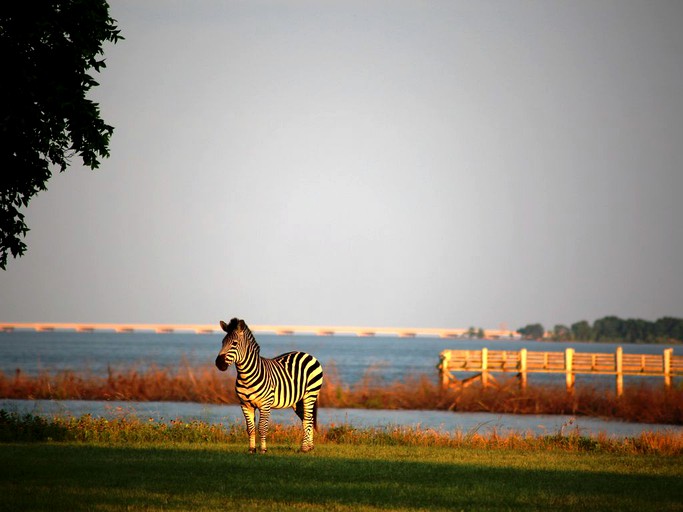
155	384
639	403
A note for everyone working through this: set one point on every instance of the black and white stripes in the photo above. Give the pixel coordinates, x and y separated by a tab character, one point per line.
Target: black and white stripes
292	380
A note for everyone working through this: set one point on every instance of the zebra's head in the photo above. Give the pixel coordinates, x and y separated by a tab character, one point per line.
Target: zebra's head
236	342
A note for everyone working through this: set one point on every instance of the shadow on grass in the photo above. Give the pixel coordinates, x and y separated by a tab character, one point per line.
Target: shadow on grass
79	477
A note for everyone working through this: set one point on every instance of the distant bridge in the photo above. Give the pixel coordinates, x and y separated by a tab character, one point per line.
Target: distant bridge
273	329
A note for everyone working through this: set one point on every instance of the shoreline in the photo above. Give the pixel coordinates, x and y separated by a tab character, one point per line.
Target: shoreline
639	404
439	422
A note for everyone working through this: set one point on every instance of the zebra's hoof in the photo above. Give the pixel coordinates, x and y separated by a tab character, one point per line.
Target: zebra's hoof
252	450
306	449
263	450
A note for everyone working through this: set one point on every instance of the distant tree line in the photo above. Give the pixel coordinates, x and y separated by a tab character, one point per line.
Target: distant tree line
611	329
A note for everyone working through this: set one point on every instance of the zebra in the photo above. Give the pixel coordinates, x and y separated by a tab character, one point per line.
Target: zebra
292	380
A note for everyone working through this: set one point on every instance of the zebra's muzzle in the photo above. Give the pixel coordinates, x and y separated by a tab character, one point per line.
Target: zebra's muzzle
221	364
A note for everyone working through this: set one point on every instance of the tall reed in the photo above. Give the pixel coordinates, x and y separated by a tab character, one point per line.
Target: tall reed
641	403
182	384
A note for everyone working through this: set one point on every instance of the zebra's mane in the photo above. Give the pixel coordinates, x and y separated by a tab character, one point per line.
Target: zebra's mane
237	324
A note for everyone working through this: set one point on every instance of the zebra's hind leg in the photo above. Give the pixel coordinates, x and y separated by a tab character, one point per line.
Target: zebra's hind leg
248	412
310	411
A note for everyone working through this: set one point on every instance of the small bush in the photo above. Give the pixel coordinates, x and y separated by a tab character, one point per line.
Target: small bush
14	427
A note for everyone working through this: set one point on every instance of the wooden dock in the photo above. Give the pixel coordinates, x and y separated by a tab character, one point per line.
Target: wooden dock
570	363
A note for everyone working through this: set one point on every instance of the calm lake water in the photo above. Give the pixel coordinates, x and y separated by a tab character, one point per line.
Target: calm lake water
386	358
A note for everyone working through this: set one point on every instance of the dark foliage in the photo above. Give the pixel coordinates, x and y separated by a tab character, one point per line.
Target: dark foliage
47	50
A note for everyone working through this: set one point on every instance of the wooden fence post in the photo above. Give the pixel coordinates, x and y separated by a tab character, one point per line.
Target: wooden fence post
484	366
619	367
568	364
443	369
522	369
667	366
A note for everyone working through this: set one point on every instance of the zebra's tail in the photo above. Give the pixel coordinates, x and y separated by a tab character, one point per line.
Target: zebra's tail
315	414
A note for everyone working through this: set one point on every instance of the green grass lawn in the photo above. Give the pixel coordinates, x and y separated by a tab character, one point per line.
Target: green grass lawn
182	476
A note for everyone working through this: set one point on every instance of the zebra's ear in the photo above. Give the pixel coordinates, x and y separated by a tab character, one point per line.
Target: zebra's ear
241	326
224	326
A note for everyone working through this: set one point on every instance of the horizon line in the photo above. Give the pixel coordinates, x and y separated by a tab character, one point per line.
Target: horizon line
319	330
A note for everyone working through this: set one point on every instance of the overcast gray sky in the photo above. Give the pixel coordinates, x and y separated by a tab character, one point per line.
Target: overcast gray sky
380	163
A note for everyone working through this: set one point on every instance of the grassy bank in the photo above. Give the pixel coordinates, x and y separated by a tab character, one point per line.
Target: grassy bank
131	464
133	430
640	403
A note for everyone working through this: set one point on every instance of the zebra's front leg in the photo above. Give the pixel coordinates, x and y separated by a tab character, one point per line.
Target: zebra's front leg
263	421
248	412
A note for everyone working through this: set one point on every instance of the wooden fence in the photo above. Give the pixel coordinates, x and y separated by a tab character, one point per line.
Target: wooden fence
483	362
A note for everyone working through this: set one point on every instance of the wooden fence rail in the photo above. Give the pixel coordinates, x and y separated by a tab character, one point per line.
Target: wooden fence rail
483	362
